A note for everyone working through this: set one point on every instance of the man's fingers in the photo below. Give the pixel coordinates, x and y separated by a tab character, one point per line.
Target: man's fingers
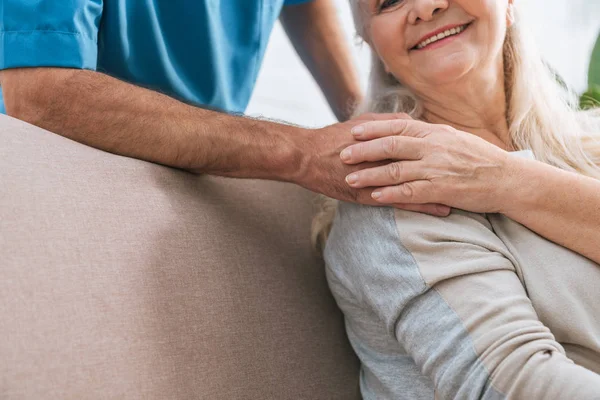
438	210
381	128
391	174
387	148
364	196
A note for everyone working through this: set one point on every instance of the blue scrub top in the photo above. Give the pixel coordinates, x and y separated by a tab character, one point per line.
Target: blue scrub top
207	52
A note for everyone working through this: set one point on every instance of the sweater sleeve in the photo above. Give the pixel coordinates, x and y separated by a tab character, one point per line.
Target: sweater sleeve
446	292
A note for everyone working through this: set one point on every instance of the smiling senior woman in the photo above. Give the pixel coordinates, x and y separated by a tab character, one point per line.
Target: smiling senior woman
472	305
442	168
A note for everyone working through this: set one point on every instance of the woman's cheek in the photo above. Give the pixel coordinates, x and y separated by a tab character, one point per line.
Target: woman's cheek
388	31
389	50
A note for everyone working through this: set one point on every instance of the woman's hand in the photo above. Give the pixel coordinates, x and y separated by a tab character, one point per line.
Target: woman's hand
431	164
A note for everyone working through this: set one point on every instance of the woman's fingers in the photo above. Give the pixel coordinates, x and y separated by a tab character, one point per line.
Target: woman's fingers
381	116
386	175
381	128
387	148
439	210
415	192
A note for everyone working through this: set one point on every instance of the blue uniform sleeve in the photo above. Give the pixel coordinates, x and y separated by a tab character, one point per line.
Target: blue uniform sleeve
291	2
49	33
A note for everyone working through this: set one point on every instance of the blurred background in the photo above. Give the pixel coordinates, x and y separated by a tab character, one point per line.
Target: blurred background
565	31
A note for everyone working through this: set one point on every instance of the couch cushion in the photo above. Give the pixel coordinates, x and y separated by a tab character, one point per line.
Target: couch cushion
125	279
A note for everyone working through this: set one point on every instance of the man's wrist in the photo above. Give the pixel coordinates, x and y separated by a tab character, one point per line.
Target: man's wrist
290	164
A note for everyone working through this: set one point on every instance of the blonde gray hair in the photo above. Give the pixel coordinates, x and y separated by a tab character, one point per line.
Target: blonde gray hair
542	115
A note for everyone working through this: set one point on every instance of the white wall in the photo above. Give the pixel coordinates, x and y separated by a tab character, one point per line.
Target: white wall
564	29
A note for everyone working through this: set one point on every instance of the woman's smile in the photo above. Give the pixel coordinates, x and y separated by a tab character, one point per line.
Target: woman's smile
471	32
440	37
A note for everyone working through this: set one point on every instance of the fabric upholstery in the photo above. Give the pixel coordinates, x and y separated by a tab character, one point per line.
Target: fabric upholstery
125	279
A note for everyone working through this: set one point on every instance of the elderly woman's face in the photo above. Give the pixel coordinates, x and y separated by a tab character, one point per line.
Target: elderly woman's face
427	42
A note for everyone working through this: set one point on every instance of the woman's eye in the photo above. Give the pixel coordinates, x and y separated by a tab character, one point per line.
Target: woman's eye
388	3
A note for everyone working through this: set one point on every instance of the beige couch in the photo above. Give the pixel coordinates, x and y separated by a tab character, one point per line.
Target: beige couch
121	279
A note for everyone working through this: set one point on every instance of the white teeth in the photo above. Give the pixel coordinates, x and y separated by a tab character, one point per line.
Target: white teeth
440	36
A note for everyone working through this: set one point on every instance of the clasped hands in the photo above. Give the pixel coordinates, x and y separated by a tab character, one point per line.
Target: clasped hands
393	160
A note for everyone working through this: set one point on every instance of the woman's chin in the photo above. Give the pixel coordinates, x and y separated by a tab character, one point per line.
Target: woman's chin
444	74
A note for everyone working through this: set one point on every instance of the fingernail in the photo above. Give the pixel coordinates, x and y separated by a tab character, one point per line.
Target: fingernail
376	195
346	154
352	179
358	130
443	210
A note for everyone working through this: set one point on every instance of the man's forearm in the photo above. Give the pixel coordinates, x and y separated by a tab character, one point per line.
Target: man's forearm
316	34
121	118
561	206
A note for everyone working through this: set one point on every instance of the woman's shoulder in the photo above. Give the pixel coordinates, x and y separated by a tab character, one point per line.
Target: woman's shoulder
381	257
364	237
358	226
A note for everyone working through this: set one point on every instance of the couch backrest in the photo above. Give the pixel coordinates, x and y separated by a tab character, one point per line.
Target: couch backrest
124	279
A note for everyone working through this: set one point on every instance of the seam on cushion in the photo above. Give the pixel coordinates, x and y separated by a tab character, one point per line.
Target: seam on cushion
51	31
471	344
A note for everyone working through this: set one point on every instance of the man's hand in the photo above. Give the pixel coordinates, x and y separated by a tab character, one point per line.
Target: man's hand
323	172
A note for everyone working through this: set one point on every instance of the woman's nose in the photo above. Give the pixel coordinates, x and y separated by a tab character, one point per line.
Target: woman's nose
425	10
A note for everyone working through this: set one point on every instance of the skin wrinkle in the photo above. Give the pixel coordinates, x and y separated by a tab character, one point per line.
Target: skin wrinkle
135	121
464	94
564	379
514	365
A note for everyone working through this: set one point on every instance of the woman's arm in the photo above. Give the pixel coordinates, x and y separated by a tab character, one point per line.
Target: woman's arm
444	291
438	164
561	206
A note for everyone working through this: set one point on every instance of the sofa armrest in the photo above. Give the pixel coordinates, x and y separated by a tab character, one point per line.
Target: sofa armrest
125	279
